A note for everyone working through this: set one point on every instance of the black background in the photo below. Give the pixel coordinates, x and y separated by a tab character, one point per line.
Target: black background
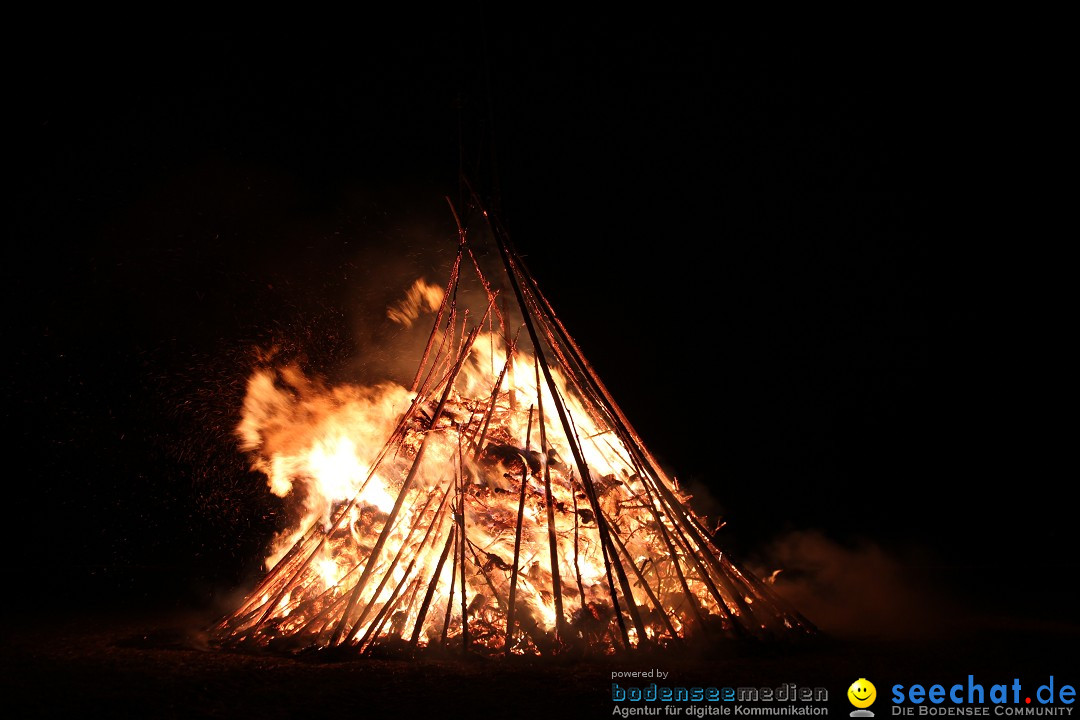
750	231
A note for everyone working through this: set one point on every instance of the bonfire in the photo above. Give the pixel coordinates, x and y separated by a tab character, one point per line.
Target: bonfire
502	504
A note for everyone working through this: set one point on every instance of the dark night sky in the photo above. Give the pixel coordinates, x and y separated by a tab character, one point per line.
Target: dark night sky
744	230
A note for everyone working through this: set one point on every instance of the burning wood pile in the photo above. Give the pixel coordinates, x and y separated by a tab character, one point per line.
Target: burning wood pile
502	504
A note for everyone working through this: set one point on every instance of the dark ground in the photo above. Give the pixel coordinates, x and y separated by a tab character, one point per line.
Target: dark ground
158	665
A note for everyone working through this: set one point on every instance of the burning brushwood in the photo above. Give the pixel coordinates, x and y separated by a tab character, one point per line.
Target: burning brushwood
502	505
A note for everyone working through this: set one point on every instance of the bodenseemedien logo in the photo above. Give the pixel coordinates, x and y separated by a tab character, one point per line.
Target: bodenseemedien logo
862	694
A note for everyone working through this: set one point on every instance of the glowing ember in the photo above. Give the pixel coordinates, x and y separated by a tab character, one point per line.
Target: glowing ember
502	504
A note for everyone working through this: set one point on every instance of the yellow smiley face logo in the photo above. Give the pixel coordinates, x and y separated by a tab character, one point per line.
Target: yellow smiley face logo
862	693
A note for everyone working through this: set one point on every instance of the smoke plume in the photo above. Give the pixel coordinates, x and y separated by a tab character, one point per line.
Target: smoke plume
859	591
